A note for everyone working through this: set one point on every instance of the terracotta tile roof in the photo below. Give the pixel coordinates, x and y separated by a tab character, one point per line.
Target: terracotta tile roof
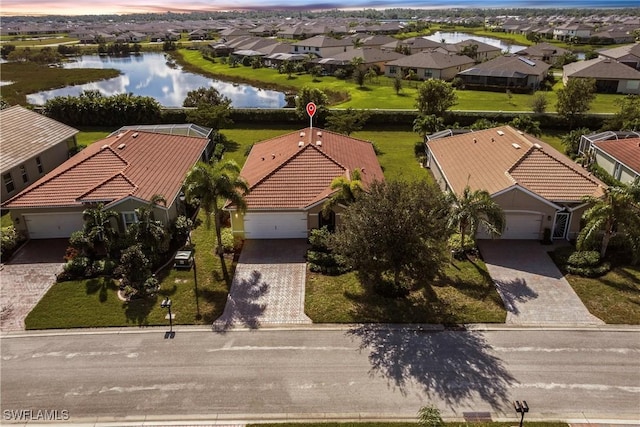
25	134
626	151
498	158
135	163
282	173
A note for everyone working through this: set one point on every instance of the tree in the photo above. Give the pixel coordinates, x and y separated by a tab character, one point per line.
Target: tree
425	125
617	212
311	94
435	97
539	103
470	50
359	76
287	67
571	141
210	185
472	209
526	124
347	121
212	116
97	226
149	232
575	99
628	116
397	85
483	123
316	72
205	95
393	235
347	190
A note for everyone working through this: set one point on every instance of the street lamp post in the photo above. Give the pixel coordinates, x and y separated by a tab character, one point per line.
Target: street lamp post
521	408
166	303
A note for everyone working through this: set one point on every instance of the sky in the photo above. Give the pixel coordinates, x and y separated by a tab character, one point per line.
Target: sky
101	7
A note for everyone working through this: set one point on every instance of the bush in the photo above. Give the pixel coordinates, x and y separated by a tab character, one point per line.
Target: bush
584	259
319	239
181	227
454	244
341	74
591	271
77	268
9	242
229	242
321	259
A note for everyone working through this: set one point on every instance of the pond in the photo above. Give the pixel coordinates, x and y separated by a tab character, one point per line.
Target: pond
455	37
152	75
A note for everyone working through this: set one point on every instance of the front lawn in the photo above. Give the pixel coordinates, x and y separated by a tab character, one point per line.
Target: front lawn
94	302
90	134
614	297
465	294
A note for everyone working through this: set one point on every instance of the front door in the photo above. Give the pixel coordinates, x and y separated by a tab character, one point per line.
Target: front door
328	221
561	225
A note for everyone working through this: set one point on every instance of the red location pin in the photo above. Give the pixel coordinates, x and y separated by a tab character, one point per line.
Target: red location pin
311	109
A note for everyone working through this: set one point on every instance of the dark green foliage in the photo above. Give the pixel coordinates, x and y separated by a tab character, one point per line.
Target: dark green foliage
592	271
310	94
384	229
584	259
527	125
347	121
134	268
571	141
205	95
575	99
6	49
321	258
9	241
76	268
435	97
628	117
180	228
93	109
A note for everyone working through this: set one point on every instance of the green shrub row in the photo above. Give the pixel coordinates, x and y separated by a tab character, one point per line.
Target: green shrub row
590	271
584	259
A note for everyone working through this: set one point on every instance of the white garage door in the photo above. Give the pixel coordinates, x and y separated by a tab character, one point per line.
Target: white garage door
53	225
283	225
519	225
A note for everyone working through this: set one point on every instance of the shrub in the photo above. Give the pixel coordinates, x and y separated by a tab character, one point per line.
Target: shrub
590	271
321	259
341	74
429	416
181	227
229	242
319	239
78	267
584	259
9	242
455	247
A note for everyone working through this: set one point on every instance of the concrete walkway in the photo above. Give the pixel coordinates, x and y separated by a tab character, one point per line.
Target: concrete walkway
268	285
26	278
532	288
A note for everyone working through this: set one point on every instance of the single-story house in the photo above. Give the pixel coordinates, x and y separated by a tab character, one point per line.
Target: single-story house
123	171
290	179
428	65
32	146
481	52
610	76
546	52
627	55
537	187
619	157
507	71
371	58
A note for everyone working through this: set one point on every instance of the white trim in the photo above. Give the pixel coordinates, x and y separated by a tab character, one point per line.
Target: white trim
136	199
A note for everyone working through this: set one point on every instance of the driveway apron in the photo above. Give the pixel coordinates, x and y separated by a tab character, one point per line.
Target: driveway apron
268	285
26	278
532	288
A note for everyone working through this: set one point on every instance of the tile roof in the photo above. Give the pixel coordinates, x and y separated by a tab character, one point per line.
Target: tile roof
293	171
25	134
488	160
433	60
508	65
626	151
132	163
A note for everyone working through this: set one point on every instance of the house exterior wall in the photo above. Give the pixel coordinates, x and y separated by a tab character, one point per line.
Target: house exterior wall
437	173
165	216
517	200
321	51
49	160
614	168
19	223
631	87
574	225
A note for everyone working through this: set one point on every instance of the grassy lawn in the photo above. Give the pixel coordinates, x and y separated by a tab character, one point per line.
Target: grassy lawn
614	297
465	294
30	78
375	94
89	135
94	302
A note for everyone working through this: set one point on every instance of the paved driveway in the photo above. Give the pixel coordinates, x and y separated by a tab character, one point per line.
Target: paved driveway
532	288
268	285
26	278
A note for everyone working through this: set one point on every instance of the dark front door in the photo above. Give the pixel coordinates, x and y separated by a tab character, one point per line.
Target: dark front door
328	221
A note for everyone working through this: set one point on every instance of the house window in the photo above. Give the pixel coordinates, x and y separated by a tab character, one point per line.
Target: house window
392	70
317	49
295	48
23	172
8	182
428	73
129	218
39	164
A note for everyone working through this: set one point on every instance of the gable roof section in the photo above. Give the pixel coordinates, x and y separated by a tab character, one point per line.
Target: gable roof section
282	173
132	163
433	60
25	134
601	68
494	162
626	151
508	65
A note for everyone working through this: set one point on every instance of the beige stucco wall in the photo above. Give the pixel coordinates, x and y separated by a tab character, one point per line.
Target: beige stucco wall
518	200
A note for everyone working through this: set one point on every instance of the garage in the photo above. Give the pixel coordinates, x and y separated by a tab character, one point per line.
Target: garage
53	225
519	225
281	225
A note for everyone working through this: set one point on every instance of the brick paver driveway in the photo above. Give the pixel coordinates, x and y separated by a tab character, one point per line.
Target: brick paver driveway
26	278
268	285
532	288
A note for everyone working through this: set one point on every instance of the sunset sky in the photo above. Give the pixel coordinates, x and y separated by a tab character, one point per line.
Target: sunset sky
94	7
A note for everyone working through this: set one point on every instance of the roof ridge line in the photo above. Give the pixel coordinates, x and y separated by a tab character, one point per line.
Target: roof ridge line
111	178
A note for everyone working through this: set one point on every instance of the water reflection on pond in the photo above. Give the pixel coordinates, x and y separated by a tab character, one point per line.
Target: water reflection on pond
151	75
455	37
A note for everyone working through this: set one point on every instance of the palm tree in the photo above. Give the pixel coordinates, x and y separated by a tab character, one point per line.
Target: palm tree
147	230
97	226
348	190
616	211
473	209
210	185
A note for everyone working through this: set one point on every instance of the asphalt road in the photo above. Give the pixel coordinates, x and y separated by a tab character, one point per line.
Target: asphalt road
357	373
